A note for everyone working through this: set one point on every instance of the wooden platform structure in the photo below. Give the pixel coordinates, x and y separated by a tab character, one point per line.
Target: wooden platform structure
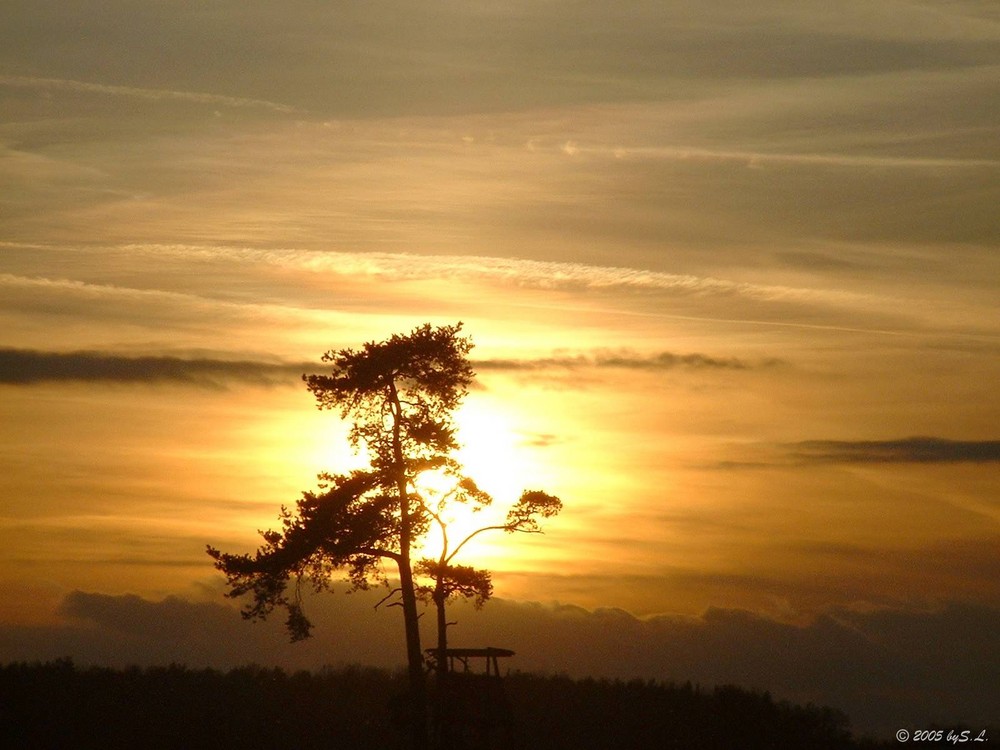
471	709
463	656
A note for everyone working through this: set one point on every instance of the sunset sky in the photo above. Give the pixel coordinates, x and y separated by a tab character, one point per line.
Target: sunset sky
732	271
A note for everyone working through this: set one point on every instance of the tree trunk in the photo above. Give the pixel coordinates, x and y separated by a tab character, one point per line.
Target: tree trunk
441	719
442	628
414	657
411	622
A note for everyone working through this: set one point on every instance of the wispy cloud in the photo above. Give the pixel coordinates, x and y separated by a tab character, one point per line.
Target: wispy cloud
517	271
924	450
760	158
157	307
29	367
62	84
406	58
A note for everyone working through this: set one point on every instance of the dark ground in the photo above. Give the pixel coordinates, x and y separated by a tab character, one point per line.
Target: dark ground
59	705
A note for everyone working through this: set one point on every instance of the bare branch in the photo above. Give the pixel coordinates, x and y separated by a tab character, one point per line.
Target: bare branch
387	597
474	533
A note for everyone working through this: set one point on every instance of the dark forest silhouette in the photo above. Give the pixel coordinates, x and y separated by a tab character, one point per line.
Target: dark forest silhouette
59	705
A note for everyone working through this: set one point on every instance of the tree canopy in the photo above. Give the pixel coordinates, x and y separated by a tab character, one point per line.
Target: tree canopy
399	395
350	525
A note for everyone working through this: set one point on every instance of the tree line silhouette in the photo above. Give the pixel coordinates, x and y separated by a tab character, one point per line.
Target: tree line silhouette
60	705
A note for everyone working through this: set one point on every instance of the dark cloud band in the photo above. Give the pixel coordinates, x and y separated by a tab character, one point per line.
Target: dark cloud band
30	367
922	450
661	361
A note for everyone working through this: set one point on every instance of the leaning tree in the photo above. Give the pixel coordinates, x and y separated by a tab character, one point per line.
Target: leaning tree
399	395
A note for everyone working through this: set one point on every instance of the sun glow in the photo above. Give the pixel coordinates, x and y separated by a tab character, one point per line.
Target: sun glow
300	443
489	450
492	456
